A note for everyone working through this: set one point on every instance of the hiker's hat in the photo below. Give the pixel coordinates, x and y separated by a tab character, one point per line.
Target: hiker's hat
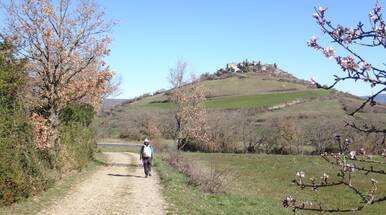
146	140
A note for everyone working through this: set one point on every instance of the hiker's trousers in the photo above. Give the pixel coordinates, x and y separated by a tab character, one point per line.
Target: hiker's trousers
146	165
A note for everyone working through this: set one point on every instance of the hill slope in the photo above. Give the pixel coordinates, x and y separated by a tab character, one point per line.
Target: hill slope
381	98
251	86
110	103
253	97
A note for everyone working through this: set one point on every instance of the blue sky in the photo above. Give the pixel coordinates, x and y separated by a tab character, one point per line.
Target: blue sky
152	35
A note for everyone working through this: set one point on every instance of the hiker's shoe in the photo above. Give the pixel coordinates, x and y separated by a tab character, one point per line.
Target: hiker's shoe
146	176
149	174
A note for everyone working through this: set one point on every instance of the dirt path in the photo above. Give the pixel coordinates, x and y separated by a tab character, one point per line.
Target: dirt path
119	188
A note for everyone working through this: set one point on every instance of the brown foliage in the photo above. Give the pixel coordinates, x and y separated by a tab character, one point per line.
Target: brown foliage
290	134
42	132
190	113
64	43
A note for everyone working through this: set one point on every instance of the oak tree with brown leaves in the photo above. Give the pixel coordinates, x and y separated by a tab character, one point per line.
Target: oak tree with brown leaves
189	97
65	43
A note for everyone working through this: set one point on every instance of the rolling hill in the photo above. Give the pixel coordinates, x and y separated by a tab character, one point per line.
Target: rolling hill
252	86
381	98
259	94
110	103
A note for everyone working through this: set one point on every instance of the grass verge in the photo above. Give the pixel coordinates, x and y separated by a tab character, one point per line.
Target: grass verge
36	203
264	180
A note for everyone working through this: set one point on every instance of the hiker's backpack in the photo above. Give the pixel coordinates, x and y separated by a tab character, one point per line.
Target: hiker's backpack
147	151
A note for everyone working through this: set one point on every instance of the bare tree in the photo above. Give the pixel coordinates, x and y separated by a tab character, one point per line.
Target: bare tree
191	129
355	68
249	135
65	43
177	75
224	129
290	134
115	87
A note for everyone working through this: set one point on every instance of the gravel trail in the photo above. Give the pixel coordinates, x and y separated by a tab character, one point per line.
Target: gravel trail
119	188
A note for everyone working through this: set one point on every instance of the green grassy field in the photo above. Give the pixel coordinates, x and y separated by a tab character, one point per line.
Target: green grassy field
245	101
264	180
263	100
250	84
311	108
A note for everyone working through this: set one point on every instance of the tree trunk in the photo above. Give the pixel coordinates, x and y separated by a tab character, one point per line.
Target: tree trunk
54	140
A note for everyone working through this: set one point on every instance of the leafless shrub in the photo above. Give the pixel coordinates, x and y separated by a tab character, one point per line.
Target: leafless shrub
270	138
212	180
287	135
223	128
247	130
350	105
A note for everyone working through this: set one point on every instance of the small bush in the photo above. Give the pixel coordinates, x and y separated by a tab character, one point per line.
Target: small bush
22	167
207	76
210	180
77	137
22	171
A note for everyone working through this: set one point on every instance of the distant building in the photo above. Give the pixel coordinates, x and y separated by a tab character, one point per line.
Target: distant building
232	67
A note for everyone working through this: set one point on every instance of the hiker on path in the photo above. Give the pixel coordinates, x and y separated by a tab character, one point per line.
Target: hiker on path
146	155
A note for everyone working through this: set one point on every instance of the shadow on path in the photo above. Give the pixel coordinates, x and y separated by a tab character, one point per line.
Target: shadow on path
119	175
